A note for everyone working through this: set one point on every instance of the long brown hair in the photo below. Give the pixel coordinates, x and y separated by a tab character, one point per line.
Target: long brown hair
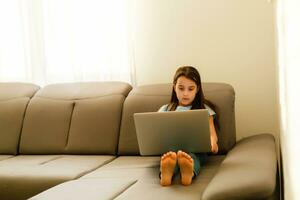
199	100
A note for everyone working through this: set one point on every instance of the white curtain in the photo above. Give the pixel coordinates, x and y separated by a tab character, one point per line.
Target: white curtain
289	88
49	41
12	54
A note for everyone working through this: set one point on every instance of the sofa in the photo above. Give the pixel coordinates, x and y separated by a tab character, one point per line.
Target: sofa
78	141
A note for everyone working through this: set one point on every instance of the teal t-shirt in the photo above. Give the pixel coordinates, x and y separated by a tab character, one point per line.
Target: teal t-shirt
211	112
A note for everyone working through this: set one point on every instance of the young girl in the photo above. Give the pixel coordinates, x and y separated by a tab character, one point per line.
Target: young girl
187	94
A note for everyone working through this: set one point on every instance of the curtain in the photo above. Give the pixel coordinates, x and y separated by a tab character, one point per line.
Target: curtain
12	55
49	41
289	90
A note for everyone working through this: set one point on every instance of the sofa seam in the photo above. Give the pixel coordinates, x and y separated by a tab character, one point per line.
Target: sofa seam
120	127
12	156
125	189
94	168
47	161
14	98
22	126
70	123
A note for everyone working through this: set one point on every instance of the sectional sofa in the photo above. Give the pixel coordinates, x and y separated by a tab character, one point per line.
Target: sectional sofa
78	141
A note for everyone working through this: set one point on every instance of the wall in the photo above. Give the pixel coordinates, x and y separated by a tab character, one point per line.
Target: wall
288	31
229	41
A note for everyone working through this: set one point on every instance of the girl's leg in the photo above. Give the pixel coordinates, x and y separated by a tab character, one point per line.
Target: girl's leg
168	163
197	165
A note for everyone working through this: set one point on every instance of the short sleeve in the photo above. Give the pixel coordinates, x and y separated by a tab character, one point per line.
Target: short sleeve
211	112
163	108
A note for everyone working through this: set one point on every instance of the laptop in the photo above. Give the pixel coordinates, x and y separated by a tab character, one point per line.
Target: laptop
160	132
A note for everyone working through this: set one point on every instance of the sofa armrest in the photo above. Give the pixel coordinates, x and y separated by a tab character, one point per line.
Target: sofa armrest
248	171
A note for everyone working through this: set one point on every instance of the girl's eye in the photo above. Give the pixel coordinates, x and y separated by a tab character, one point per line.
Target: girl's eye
180	88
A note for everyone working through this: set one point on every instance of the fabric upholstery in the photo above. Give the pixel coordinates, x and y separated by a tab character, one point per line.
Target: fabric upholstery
151	97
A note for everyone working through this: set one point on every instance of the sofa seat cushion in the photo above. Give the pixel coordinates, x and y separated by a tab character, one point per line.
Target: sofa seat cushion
132	177
32	174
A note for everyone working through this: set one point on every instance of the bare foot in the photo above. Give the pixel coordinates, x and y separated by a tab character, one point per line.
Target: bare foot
167	165
186	164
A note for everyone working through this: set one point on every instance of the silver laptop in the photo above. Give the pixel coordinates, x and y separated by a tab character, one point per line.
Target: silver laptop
160	132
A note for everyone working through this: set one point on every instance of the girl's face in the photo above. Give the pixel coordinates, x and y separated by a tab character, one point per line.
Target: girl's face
186	90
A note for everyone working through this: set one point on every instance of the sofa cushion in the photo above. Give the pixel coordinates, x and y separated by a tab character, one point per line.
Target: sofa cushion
151	97
24	176
131	177
46	126
14	98
77	118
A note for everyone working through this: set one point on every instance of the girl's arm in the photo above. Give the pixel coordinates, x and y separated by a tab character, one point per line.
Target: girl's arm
213	135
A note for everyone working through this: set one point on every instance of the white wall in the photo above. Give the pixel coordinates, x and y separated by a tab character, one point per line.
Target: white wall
231	41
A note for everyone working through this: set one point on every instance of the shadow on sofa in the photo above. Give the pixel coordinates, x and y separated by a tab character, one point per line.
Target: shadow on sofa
77	141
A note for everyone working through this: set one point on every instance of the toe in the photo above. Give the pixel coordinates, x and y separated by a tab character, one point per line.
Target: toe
186	155
174	155
179	153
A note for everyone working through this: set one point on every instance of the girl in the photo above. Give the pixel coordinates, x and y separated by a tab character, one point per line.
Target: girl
187	94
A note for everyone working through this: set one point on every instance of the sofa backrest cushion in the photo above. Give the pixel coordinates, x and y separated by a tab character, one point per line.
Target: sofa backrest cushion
74	118
150	98
14	98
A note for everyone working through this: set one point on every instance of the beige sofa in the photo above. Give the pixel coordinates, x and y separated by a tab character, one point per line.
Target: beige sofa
77	141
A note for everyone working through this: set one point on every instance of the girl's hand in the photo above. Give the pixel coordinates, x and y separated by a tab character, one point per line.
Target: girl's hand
214	147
